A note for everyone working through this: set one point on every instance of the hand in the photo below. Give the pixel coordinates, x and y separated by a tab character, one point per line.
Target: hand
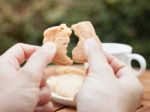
22	89
110	85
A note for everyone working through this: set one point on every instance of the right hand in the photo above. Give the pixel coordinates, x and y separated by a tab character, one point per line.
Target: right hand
110	85
23	88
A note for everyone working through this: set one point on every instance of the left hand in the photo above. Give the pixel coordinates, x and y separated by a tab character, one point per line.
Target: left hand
22	89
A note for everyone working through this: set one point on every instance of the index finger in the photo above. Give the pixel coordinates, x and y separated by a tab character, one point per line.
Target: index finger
96	59
17	54
115	63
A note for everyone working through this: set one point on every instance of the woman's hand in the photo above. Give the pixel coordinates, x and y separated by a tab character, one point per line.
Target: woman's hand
110	85
23	89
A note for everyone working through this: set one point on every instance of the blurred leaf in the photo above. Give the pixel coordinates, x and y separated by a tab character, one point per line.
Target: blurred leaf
125	21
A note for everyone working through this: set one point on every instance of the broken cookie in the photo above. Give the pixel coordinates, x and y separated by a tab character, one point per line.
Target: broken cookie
60	35
84	30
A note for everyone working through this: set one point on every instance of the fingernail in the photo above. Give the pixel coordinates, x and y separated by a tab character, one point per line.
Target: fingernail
90	43
50	45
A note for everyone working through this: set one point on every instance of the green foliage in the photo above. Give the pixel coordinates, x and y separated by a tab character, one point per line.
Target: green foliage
25	21
124	21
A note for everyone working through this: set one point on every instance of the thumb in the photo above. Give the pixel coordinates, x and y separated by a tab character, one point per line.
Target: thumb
96	58
34	68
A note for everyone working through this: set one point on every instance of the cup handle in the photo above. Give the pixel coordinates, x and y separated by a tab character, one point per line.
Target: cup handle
140	59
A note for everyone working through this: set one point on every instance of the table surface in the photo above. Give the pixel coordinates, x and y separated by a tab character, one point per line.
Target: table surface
145	103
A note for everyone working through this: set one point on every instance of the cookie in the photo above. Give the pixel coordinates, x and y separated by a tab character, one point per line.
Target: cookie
83	30
66	85
61	70
60	35
70	69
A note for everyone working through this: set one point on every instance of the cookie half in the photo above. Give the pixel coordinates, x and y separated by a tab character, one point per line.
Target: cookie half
60	35
83	30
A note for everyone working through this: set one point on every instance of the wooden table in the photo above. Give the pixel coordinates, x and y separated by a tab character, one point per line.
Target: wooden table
145	80
145	104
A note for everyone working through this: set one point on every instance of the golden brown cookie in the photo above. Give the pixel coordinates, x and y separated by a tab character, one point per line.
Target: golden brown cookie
60	35
61	70
84	30
70	69
66	85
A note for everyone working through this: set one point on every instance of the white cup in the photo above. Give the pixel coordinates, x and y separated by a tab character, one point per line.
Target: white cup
124	53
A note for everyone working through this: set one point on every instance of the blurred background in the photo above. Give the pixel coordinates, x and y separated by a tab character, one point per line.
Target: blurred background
123	21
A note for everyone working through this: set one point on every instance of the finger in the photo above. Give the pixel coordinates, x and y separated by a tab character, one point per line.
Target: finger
96	58
45	108
120	68
131	82
123	72
44	96
36	64
17	54
116	64
127	76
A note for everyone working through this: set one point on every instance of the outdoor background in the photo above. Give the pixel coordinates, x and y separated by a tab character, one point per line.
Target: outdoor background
124	21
